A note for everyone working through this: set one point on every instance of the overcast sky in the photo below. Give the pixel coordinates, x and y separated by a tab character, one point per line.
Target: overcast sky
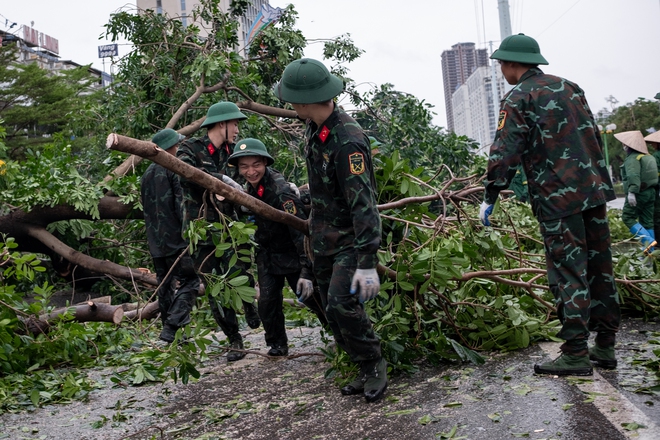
609	47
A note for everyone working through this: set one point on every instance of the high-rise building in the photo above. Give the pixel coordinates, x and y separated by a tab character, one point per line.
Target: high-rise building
183	9
476	104
457	65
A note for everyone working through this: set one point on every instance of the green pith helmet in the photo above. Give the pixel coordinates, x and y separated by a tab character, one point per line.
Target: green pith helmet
167	138
520	49
307	81
222	111
250	147
657	95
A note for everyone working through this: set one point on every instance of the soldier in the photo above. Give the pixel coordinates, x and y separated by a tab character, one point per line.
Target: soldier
546	123
639	173
654	139
345	227
210	154
281	255
161	202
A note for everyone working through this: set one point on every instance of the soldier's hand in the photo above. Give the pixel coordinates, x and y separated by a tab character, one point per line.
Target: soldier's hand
295	189
632	200
231	182
484	212
368	282
304	289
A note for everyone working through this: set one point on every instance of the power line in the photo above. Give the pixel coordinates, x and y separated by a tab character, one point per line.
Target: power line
551	24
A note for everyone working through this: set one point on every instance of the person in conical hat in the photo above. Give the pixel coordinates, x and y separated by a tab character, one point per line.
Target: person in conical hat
639	173
654	140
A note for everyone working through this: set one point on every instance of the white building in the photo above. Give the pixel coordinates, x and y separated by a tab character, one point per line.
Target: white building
476	107
183	9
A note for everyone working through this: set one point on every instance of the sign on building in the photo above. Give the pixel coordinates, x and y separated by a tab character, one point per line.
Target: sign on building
108	50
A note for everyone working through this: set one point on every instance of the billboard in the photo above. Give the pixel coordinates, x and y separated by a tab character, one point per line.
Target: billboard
108	50
33	37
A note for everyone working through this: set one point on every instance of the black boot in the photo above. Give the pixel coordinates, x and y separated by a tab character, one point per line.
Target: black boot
237	343
356	386
278	350
376	383
168	333
251	315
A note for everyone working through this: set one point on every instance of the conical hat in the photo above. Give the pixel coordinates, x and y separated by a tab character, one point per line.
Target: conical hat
653	137
633	139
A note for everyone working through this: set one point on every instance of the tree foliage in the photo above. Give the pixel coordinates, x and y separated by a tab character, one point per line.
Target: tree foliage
451	287
36	103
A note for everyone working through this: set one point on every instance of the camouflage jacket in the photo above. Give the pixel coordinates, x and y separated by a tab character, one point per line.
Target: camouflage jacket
161	202
639	172
656	154
546	123
281	248
197	202
342	187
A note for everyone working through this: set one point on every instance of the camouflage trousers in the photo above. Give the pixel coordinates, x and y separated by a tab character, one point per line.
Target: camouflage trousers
270	303
643	213
206	262
175	304
347	318
579	262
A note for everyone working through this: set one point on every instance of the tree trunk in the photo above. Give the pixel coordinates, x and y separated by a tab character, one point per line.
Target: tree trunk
88	311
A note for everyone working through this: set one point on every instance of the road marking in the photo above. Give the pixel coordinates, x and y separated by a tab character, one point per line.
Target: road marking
626	412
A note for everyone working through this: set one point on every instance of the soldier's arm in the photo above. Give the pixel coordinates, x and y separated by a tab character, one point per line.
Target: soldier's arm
355	176
505	152
289	202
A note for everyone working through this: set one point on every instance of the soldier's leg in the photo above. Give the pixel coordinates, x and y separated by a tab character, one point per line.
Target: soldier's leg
323	267
346	312
184	298
628	215
605	312
166	289
251	314
270	306
566	261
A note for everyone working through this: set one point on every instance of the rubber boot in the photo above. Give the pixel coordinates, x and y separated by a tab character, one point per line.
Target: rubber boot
603	357
566	365
357	385
376	383
644	237
237	343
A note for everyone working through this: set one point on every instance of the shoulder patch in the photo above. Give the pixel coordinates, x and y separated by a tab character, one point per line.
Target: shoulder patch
289	207
501	120
356	163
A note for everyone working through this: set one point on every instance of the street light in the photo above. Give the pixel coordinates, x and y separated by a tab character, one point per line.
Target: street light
609	128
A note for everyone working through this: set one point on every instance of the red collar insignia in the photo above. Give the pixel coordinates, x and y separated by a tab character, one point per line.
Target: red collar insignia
211	149
260	191
325	132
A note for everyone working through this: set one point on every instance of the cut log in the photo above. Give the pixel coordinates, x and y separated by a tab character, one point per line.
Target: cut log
149	311
88	311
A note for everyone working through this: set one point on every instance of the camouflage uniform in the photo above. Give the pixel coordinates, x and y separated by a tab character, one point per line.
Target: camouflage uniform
200	203
161	201
656	208
545	121
519	186
345	228
639	173
281	256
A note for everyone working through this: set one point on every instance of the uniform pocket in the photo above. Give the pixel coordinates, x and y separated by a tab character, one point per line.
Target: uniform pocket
553	239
